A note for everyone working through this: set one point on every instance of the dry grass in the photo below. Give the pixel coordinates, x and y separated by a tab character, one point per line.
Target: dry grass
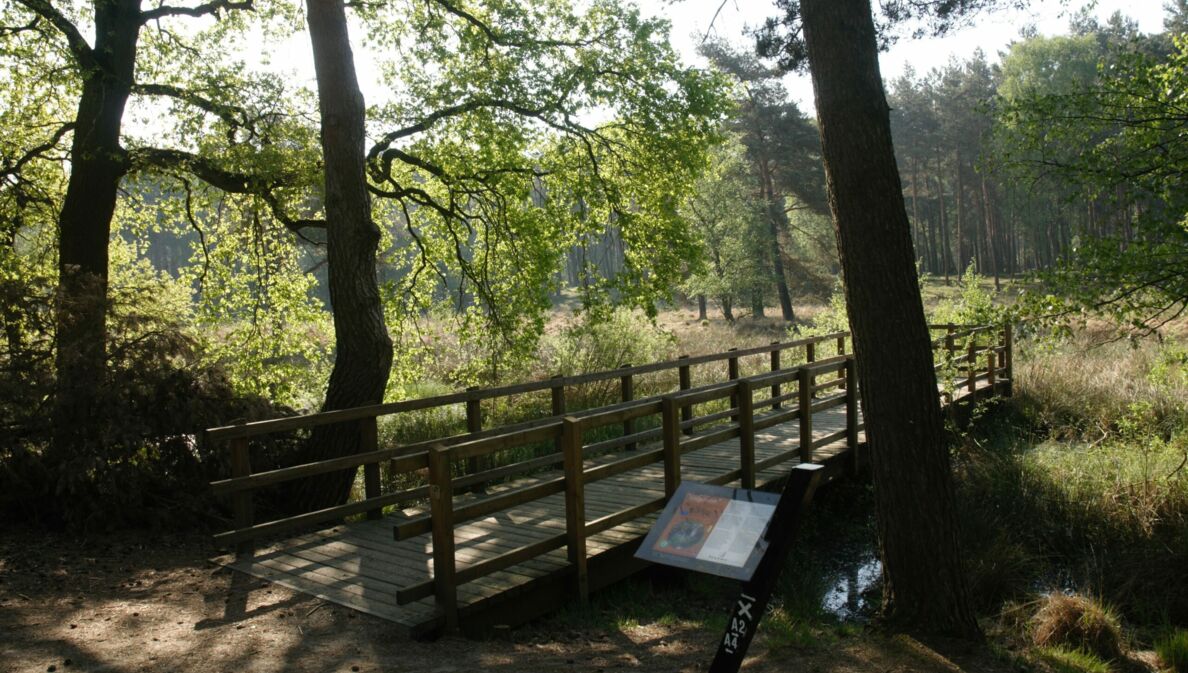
1078	623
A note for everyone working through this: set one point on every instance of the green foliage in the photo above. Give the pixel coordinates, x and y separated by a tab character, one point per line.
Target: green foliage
1114	140
1173	650
974	306
731	227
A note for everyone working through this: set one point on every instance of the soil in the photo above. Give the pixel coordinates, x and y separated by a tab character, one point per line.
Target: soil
124	603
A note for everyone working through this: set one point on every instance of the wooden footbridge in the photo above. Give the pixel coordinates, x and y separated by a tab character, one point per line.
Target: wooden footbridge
498	525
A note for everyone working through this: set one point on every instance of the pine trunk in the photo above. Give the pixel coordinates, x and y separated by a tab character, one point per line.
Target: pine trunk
924	585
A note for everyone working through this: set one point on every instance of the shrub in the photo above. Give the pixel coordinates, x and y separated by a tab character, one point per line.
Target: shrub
1079	623
1173	651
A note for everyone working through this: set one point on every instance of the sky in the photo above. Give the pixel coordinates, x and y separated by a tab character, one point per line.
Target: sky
692	19
989	31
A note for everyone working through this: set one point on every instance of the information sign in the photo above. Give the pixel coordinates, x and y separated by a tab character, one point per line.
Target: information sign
711	529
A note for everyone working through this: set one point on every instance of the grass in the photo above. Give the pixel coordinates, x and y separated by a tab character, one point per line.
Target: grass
1173	650
1065	660
1080	623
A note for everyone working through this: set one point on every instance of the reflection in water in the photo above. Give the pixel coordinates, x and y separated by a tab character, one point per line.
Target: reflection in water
846	595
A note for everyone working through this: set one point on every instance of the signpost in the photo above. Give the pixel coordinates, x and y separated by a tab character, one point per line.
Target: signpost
733	532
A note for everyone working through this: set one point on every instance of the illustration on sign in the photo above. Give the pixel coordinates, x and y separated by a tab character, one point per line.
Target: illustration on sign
711	529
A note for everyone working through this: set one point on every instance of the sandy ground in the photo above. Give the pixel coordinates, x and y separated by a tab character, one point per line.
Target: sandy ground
145	603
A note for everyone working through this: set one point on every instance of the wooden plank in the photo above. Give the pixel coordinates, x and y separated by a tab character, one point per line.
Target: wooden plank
627	394
684	382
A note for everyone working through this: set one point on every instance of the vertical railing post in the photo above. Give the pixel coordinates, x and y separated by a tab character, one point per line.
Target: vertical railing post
841	350
671	433
627	394
971	361
852	412
775	367
685	382
1008	339
441	507
810	356
806	414
746	432
557	395
575	504
732	374
368	442
242	506
991	357
474	423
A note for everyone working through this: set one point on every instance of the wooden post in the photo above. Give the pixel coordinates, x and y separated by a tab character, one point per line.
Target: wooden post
627	394
242	506
1008	338
558	401
671	432
841	350
810	356
806	415
575	504
971	361
685	382
746	432
775	367
368	441
474	423
991	356
852	412
732	374
441	507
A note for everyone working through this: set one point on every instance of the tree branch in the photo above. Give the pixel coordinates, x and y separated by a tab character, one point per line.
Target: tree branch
79	48
198	10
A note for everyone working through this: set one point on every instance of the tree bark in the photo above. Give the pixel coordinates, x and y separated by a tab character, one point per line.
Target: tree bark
363	356
701	308
924	586
97	163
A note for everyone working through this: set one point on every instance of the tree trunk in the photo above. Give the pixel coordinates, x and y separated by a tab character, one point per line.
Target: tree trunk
363	355
961	261
777	220
701	308
945	252
97	163
727	308
924	586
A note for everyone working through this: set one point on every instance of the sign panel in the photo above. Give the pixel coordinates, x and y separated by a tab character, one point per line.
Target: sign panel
711	529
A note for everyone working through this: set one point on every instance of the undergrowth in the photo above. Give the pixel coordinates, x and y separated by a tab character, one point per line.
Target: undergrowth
1079	483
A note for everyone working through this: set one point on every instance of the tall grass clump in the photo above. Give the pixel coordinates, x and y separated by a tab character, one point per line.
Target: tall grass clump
1173	651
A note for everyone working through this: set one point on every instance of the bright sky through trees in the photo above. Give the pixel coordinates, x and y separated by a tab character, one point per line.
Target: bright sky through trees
990	32
691	19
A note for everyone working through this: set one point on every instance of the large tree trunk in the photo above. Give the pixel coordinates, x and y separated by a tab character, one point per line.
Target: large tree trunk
97	163
924	586
777	220
363	355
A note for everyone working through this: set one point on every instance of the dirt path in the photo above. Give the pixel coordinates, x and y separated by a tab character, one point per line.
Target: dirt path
141	603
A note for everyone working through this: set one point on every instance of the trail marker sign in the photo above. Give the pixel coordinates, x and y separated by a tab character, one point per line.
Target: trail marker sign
732	532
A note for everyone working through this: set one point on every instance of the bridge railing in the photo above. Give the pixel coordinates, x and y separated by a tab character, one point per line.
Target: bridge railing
728	409
411	457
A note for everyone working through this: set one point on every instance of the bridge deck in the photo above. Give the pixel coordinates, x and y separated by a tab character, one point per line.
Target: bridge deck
359	565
